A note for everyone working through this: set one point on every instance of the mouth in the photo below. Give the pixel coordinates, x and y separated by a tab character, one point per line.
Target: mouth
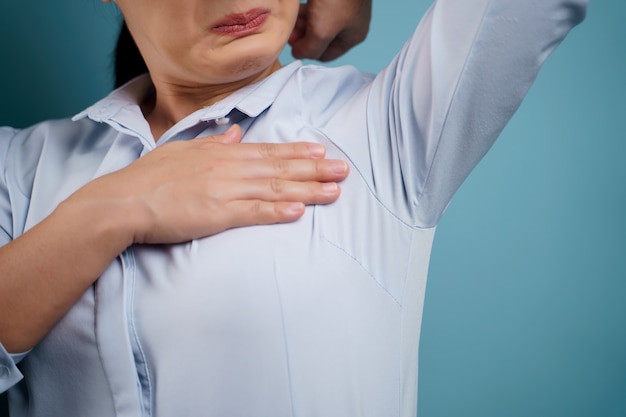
241	24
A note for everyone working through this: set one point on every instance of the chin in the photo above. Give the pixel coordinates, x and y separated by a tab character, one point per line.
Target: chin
239	60
253	62
251	67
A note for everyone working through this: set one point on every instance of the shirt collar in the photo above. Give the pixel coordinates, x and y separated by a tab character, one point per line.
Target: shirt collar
251	100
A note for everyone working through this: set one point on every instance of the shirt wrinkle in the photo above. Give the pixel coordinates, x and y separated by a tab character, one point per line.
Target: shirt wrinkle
451	101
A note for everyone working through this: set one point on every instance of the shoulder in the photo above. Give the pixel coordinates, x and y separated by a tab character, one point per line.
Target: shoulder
23	150
341	77
61	132
6	137
7	134
325	90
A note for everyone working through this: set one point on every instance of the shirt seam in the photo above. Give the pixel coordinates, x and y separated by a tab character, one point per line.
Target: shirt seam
400	346
330	242
317	130
367	185
6	156
285	341
450	103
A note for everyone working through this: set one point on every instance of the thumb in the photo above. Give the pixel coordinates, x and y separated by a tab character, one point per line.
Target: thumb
232	135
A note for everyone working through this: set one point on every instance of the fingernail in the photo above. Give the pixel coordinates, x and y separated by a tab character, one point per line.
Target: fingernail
231	133
316	150
339	167
330	188
295	208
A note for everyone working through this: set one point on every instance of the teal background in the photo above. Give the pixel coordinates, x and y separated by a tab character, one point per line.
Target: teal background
526	306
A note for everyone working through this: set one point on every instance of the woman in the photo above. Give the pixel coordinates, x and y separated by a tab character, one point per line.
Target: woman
316	317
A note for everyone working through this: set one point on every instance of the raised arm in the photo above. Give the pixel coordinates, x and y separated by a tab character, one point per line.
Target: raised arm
449	93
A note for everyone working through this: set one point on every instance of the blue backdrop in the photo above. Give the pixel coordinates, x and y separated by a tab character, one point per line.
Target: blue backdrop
526	305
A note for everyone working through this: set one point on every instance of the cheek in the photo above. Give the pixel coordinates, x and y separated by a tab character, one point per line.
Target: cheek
294	15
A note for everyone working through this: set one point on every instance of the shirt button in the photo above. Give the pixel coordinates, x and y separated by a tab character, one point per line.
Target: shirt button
4	371
221	121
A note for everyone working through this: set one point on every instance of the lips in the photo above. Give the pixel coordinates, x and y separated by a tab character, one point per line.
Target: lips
241	24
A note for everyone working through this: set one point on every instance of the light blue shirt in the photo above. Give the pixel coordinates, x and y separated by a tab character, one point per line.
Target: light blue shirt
320	317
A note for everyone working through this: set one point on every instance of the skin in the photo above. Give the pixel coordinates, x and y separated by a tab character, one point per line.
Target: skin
326	29
192	66
223	183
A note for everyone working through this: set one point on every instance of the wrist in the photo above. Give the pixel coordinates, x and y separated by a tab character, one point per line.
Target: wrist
105	226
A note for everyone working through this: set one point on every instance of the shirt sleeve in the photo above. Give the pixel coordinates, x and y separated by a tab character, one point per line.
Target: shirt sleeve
6	218
448	94
9	374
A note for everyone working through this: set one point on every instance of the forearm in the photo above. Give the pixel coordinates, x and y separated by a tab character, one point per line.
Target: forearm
47	269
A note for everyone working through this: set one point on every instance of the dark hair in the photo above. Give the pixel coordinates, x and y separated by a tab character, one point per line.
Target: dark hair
128	60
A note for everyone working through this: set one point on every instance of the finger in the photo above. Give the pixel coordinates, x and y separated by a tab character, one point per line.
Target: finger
339	46
242	151
345	41
315	36
321	170
232	135
324	170
275	190
248	213
335	50
310	46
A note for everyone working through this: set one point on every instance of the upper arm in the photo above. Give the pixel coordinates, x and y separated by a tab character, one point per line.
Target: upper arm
450	91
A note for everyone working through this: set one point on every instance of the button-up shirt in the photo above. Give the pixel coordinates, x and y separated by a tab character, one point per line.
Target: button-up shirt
319	317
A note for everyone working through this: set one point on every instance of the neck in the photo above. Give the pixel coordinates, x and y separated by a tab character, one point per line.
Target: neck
172	101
